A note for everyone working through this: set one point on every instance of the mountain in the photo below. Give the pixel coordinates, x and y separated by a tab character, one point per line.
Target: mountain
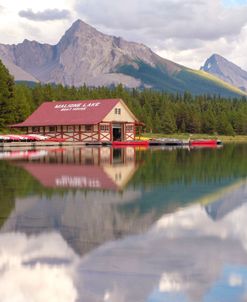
226	70
18	73
85	55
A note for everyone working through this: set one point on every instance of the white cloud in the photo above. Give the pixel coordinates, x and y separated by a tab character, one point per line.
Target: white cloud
14	28
45	15
37	269
204	20
188	31
235	280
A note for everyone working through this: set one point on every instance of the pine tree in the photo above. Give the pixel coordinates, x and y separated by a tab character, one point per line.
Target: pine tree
7	101
23	104
209	122
224	126
168	122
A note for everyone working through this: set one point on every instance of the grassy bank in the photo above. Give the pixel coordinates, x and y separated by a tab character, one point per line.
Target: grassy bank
223	138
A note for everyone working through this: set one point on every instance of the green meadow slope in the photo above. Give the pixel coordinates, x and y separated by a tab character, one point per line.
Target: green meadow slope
177	79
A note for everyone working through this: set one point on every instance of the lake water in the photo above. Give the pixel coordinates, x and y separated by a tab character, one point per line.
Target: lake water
124	225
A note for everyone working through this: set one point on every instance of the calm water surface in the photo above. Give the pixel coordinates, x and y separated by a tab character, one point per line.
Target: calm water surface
124	225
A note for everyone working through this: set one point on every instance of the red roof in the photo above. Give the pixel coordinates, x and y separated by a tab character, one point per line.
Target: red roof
70	113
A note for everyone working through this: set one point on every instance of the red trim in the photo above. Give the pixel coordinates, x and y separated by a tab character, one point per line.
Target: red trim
79	134
131	143
99	131
111	132
129	136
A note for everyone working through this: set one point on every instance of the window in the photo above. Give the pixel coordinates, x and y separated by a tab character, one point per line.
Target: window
35	129
117	110
70	128
104	128
88	128
129	128
52	129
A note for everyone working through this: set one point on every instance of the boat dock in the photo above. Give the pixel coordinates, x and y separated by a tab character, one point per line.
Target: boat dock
153	142
168	142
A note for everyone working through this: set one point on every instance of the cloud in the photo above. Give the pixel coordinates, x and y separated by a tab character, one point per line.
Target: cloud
46	15
2	8
202	19
177	24
41	267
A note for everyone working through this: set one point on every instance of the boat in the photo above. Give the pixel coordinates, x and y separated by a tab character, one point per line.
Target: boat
8	138
205	142
168	142
130	143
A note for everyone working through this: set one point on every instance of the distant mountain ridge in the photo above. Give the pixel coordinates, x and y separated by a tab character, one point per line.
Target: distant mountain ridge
17	72
85	55
226	70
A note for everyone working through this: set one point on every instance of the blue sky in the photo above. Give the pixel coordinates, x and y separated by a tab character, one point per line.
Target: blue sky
234	2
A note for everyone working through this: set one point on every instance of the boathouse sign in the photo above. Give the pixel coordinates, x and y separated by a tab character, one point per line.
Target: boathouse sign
77	182
76	106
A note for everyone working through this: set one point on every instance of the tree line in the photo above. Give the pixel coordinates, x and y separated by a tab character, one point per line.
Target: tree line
161	112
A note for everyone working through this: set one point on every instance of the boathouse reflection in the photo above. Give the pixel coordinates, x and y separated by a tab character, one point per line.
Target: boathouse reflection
80	197
84	168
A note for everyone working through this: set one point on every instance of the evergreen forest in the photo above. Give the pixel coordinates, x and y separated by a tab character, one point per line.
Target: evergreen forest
161	112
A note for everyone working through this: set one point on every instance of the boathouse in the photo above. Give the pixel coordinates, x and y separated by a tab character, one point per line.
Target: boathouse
86	121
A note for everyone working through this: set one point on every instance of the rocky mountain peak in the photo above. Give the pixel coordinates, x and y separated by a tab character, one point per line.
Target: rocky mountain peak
216	57
212	64
79	34
80	29
85	55
226	70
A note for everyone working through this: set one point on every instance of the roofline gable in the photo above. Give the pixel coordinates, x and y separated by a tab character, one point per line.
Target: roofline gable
126	107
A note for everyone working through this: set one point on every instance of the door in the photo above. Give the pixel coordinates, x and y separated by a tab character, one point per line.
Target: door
117	132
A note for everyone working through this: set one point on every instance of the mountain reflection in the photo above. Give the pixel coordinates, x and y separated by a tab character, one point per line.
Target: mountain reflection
184	256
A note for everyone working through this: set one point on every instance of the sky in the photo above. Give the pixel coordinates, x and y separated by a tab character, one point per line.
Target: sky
184	31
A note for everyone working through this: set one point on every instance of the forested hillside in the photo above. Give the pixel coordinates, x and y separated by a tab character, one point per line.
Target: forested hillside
161	112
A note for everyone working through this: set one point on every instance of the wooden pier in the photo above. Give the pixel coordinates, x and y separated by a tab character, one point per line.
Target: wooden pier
168	142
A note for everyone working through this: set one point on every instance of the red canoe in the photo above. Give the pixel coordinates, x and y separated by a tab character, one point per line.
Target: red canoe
130	143
204	142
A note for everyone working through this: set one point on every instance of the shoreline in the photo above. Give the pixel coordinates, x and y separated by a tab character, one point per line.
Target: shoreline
223	138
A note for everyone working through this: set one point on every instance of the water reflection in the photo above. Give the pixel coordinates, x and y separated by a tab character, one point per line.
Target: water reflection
184	256
80	194
81	168
125	225
37	268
